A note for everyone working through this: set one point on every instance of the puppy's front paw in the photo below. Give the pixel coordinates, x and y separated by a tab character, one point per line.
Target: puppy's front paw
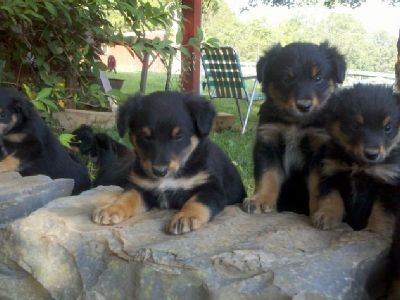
192	216
108	215
183	223
254	205
9	164
325	219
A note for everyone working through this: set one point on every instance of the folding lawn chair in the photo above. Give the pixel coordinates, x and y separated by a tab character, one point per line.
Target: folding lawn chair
225	79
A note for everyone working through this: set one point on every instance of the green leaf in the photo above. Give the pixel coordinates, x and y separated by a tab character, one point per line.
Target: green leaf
66	139
50	7
39	105
44	93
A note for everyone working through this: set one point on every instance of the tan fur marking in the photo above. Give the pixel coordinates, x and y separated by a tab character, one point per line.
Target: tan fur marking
330	211
146	131
314	71
269	133
267	192
358	150
386	121
380	221
315	101
313	191
126	205
191	217
9	164
175	131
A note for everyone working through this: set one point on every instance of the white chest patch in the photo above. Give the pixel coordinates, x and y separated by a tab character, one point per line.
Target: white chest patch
170	184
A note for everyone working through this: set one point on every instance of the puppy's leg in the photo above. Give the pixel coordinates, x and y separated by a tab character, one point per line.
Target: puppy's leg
268	173
125	205
380	221
9	164
313	190
267	192
330	211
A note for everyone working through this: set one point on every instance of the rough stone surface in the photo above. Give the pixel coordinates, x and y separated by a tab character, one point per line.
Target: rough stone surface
58	253
19	196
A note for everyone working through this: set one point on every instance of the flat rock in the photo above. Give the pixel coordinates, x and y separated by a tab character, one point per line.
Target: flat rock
59	253
19	196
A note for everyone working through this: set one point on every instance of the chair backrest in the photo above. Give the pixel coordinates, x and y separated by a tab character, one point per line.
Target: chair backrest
223	73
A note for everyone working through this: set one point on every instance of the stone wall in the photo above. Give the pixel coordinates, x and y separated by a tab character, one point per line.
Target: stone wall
59	253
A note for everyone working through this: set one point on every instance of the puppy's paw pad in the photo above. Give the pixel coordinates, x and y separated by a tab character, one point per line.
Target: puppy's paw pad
252	205
108	215
182	223
325	220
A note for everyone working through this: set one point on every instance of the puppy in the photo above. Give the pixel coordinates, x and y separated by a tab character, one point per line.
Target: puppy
297	79
113	160
359	168
177	166
28	146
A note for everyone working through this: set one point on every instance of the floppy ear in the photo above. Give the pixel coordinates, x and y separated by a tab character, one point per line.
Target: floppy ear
125	113
202	113
264	63
337	60
22	105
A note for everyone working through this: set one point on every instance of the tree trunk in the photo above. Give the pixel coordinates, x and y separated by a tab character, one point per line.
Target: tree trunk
143	75
168	83
397	68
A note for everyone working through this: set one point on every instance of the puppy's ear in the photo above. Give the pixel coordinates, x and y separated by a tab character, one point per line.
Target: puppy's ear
126	113
22	105
202	113
264	63
337	60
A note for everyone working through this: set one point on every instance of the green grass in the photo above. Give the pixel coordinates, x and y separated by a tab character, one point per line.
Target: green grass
237	146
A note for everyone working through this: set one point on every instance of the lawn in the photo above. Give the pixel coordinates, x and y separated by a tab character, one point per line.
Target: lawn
237	146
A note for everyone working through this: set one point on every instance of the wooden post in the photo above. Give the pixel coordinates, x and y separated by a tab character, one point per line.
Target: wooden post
397	68
191	64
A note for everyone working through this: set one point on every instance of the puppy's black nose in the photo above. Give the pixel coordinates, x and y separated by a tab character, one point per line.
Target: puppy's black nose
371	153
304	105
160	171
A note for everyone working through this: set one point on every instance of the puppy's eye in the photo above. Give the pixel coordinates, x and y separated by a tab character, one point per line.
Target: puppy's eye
388	128
317	78
3	115
178	137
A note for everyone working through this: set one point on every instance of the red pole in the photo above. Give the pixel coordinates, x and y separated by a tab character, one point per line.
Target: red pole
190	66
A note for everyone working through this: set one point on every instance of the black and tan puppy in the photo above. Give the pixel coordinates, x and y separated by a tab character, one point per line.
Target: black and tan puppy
113	160
29	147
359	168
297	79
177	166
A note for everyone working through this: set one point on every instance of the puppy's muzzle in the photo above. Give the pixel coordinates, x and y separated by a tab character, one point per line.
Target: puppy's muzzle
304	105
160	170
371	154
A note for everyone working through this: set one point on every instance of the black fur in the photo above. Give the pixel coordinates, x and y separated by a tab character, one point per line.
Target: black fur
39	151
360	143
107	153
168	125
297	79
